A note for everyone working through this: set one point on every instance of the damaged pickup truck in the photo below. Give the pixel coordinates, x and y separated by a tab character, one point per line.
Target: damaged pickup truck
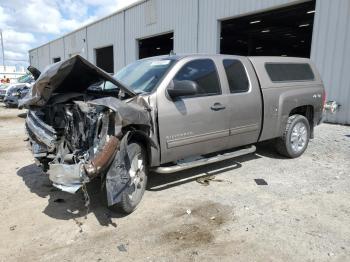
166	114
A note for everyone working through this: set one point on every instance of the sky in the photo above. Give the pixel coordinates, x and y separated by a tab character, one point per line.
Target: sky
29	23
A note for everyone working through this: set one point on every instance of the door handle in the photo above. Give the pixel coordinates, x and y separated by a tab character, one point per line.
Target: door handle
217	107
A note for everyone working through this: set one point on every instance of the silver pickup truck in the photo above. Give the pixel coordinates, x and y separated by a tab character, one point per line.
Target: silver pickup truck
166	114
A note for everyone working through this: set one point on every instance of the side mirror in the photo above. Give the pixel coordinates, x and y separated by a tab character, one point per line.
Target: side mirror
182	88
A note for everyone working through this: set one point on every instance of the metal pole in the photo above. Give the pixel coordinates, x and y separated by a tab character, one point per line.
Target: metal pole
2	48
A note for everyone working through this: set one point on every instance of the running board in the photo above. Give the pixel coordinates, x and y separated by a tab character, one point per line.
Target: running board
203	161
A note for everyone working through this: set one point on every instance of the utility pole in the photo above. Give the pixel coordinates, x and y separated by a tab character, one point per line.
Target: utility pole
3	51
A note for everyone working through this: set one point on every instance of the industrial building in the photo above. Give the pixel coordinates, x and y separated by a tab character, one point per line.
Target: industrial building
316	29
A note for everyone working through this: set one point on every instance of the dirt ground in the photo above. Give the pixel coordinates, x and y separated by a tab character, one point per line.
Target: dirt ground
302	214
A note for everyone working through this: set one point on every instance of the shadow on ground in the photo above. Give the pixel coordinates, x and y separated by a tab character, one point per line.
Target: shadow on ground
159	182
267	149
22	115
65	206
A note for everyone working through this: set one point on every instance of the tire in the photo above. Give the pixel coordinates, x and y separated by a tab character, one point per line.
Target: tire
295	138
133	193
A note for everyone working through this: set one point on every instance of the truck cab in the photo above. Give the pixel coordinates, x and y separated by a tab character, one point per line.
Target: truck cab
224	111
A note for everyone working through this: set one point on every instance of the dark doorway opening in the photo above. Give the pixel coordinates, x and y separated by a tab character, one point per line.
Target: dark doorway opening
104	58
285	31
56	59
157	45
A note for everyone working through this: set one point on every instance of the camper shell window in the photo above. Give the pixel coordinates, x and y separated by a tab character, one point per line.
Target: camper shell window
289	72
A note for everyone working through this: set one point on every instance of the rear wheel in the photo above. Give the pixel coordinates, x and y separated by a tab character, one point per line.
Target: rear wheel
295	138
138	171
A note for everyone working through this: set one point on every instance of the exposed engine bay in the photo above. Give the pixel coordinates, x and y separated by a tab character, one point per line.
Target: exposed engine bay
77	135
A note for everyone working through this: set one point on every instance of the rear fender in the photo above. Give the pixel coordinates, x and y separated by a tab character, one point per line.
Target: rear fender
291	99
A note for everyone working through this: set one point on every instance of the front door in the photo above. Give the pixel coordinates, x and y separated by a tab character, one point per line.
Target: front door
197	124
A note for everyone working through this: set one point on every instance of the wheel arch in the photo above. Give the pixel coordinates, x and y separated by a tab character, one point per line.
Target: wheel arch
308	112
141	136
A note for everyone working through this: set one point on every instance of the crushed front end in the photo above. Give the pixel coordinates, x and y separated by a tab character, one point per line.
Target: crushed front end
74	142
76	136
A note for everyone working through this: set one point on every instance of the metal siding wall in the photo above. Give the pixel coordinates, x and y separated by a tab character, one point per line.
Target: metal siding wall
43	56
74	43
107	32
56	49
331	53
178	16
33	58
211	11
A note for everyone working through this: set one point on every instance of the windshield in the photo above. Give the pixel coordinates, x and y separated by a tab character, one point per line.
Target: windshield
142	76
25	79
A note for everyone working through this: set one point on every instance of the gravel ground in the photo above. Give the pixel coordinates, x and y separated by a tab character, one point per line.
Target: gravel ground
302	214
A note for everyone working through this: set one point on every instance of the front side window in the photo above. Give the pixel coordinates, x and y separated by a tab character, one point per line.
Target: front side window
236	76
203	72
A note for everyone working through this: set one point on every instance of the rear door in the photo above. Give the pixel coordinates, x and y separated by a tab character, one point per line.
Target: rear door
244	101
197	124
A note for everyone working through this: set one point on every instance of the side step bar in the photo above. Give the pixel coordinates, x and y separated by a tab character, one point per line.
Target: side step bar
203	161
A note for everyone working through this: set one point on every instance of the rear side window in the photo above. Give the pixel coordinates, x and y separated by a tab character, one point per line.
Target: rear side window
203	72
289	72
236	76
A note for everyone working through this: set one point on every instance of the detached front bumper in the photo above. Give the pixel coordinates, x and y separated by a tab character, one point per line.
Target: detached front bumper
68	178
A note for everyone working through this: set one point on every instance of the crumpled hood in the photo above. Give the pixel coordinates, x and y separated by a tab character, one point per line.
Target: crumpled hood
72	75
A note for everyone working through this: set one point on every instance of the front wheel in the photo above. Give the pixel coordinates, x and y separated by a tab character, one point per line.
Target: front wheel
138	171
295	138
